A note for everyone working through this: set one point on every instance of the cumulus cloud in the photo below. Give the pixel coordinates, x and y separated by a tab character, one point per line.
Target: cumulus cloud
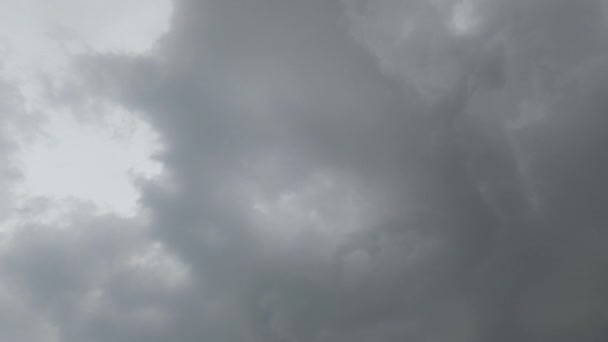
373	170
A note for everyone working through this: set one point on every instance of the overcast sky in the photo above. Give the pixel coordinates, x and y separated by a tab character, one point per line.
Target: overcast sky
303	170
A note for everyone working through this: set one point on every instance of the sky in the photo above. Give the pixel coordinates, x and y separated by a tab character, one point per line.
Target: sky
303	171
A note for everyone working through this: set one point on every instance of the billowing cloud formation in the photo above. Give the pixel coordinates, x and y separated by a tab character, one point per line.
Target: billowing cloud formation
374	170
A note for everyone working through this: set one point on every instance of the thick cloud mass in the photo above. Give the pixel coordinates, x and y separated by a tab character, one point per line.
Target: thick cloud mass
371	170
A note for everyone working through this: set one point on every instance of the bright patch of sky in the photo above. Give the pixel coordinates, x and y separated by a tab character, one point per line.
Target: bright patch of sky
75	159
90	161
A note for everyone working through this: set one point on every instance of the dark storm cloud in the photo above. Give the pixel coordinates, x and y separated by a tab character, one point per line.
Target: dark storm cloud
368	171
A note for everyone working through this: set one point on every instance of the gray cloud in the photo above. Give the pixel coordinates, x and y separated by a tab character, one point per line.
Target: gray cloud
87	278
10	109
351	171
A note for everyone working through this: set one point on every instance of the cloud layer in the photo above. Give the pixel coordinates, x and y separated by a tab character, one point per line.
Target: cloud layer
374	170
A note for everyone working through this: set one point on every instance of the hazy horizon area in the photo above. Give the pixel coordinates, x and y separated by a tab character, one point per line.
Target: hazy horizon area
304	170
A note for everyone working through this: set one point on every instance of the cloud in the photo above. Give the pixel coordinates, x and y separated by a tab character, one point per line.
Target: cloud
348	171
88	277
11	120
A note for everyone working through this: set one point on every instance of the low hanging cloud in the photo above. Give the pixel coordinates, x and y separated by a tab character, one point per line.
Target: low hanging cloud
374	170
